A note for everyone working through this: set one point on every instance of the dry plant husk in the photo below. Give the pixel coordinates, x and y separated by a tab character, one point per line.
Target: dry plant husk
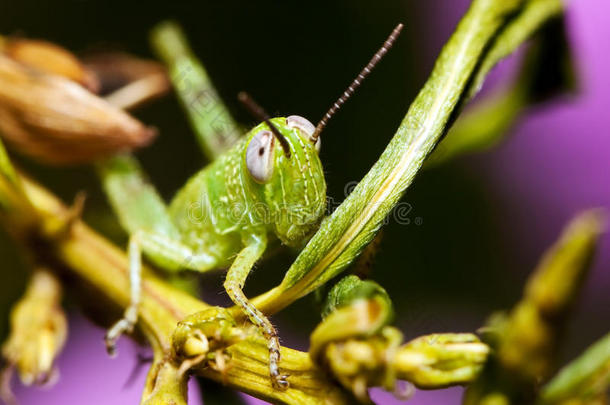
50	117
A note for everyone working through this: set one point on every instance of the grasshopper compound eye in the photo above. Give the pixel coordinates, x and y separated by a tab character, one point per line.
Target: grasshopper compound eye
303	124
258	111
259	156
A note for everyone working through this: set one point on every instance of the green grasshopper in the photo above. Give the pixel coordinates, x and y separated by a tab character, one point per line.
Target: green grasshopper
269	185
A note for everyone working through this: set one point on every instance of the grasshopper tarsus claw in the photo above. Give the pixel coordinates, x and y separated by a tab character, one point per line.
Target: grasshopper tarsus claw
110	346
114	333
280	382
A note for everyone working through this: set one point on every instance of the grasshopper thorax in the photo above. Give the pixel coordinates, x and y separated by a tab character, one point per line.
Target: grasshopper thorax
290	176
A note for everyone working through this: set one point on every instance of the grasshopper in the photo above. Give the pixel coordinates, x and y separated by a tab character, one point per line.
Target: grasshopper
270	184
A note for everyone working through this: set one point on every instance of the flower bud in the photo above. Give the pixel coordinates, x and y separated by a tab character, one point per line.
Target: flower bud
440	360
38	330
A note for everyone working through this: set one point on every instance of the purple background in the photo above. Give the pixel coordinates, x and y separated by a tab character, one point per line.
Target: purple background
554	165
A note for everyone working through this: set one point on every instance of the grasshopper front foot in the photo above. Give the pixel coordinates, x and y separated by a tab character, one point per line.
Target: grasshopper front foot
280	381
125	325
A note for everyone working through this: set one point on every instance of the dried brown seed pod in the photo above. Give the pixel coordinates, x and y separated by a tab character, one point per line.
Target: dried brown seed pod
50	58
55	120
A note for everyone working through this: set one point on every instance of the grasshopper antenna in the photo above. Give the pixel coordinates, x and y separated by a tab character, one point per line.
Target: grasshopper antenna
357	82
260	114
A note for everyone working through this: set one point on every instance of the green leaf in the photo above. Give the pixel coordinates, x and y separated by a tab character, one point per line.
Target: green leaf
584	378
546	70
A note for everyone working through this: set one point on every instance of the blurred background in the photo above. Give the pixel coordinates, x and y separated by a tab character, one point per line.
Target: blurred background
477	225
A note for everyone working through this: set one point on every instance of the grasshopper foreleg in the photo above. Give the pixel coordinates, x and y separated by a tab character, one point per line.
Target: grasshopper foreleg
234	283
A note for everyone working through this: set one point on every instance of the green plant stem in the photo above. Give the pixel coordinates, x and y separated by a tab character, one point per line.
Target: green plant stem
165	384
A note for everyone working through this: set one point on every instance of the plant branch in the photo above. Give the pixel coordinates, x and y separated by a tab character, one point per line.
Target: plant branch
104	266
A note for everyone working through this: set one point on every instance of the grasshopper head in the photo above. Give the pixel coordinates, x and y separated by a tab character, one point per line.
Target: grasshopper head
288	167
282	155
